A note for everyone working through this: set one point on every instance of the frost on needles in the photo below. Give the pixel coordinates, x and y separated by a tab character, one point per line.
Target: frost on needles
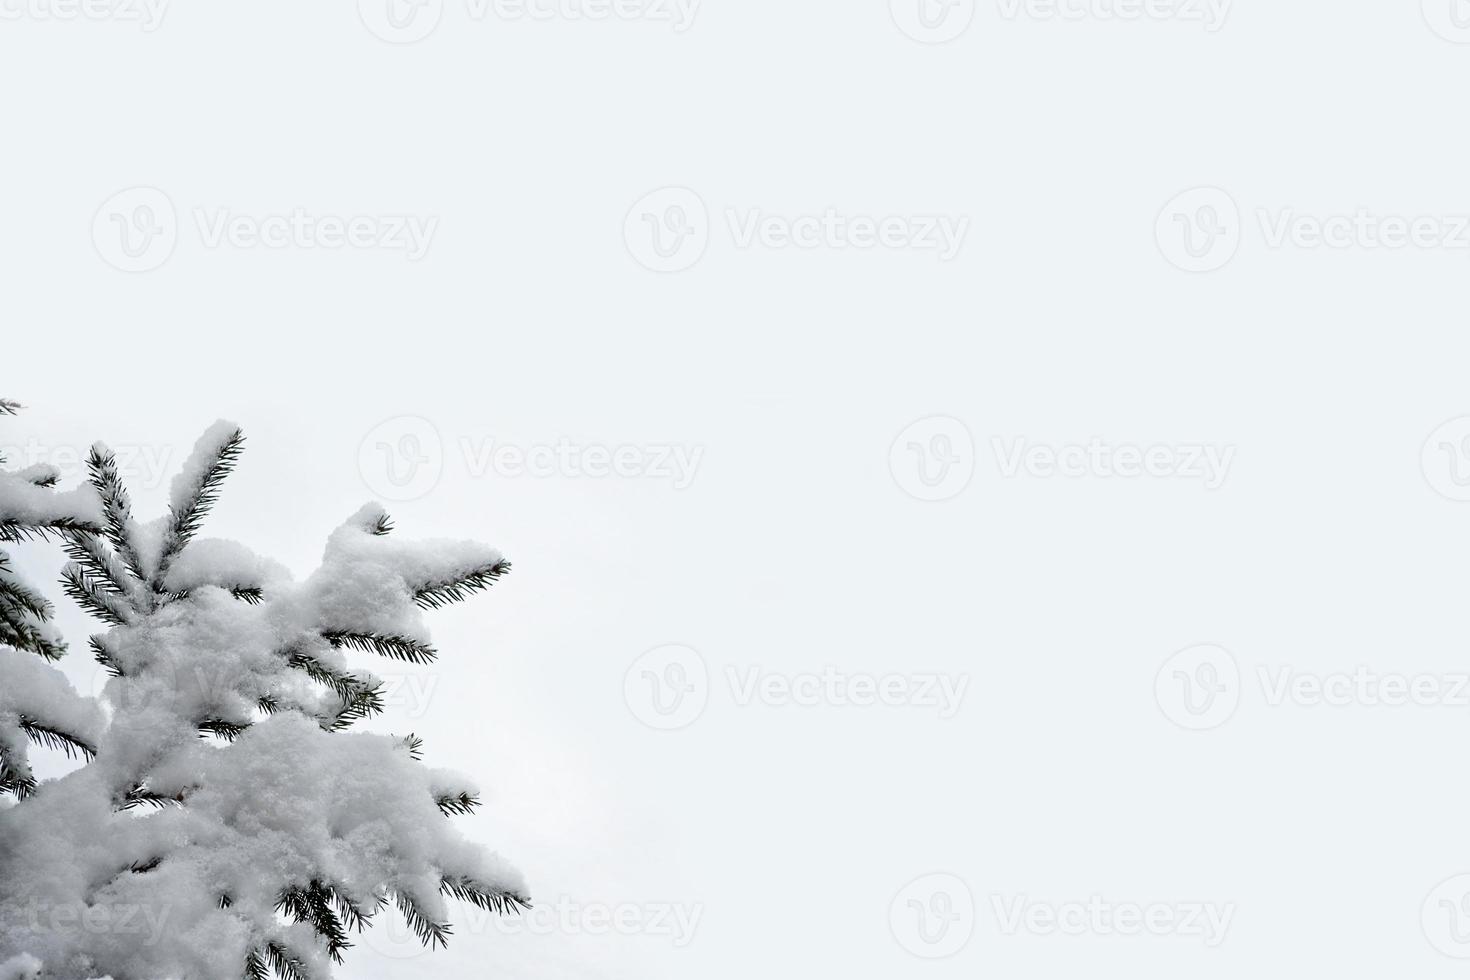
226	822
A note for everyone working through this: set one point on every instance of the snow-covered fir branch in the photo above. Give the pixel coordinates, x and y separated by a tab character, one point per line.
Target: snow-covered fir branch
221	788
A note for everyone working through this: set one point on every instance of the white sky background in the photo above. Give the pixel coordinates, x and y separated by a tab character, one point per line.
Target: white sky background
530	321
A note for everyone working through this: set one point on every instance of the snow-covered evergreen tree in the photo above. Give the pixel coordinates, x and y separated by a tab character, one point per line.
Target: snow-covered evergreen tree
225	823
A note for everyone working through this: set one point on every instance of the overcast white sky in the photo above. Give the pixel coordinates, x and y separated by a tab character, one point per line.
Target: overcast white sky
757	245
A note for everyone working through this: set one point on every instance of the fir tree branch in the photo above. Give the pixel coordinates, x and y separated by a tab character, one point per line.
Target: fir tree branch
185	520
15	596
22	634
15	776
94	597
433	595
345	685
104	656
255	965
460	805
9	407
313	905
285	964
40	475
430	933
353	916
55	738
385	645
142	796
251	595
219	728
366	703
414	746
117	509
15	532
467	889
92	554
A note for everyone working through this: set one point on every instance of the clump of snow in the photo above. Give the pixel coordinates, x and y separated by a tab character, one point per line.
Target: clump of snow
45	695
227	564
371	580
24	502
185	485
20	967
